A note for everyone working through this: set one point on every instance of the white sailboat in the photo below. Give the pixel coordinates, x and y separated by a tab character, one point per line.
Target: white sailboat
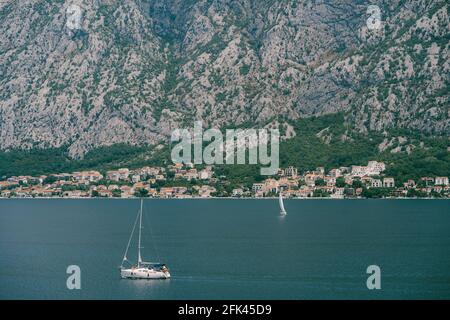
282	209
142	270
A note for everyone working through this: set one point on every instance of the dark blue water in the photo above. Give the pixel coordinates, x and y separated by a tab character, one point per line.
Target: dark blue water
228	249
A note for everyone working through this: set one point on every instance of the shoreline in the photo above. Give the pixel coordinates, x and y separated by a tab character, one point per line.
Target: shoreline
214	198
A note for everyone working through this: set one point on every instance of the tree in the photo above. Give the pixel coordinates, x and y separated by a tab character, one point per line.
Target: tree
117	193
141	193
318	193
376	192
413	193
320	182
50	180
357	183
340	182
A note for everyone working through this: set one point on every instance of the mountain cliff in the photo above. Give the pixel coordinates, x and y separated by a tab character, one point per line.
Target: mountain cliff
131	71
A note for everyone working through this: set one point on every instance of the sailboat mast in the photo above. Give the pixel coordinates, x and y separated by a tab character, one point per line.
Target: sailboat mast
140	229
129	240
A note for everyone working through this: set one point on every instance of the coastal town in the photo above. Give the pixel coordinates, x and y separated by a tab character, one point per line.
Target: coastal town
186	181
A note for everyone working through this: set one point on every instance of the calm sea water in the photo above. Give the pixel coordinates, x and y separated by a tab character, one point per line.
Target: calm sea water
228	249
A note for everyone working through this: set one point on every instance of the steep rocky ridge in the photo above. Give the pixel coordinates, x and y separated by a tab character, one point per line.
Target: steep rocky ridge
137	69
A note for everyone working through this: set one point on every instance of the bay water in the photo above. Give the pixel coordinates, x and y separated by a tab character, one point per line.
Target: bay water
227	249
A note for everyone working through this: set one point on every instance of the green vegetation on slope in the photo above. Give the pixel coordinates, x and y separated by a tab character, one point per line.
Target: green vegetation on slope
335	146
38	161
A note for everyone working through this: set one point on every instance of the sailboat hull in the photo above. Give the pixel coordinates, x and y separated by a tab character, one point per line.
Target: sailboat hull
144	273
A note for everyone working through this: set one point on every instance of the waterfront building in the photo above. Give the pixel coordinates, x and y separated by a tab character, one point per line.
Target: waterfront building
441	181
388	183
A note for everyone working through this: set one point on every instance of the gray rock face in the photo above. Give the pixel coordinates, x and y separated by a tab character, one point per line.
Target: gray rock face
133	70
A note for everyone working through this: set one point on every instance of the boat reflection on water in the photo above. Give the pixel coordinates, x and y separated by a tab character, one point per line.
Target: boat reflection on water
143	270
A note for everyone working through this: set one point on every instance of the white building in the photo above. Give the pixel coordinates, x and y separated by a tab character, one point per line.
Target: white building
338	193
205	174
335	173
388	183
291	172
257	187
441	181
91	176
359	171
116	175
376	183
375	167
238	192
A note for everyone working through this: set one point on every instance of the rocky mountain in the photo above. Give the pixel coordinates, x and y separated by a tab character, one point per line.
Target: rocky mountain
84	74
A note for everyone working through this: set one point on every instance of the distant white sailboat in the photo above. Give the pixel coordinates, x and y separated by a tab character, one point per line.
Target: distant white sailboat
142	270
282	209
